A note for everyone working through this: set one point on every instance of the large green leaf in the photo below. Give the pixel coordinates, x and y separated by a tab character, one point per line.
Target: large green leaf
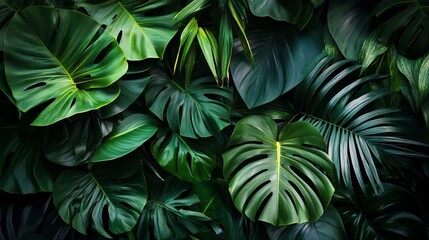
130	134
281	54
404	23
279	180
140	27
168	213
194	112
298	12
188	159
46	62
393	214
113	190
328	227
23	167
72	142
333	98
348	22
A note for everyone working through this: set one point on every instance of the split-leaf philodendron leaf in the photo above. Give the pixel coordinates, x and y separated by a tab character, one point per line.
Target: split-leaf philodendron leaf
278	179
46	62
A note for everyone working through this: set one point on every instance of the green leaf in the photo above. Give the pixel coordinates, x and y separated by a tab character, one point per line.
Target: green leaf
186	40
210	49
371	49
192	8
226	41
393	214
279	180
187	159
416	72
296	11
194	112
348	22
47	63
131	89
334	99
328	227
130	134
116	190
140	30
73	141
170	204
23	167
281	57
404	23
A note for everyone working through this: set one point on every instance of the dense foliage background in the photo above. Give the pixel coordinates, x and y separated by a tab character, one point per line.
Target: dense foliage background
214	119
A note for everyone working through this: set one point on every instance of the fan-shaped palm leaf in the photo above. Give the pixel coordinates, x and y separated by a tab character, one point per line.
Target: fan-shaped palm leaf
357	135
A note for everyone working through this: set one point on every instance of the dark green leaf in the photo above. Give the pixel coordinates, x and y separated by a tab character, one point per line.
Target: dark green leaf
23	167
281	57
47	62
115	189
187	159
170	205
348	22
194	112
328	227
279	180
392	214
139	32
404	23
130	134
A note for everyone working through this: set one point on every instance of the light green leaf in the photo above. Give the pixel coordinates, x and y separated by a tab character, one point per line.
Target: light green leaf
46	62
192	8
282	55
328	227
371	49
186	40
187	159
194	112
117	189
278	179
140	33
131	133
210	48
226	41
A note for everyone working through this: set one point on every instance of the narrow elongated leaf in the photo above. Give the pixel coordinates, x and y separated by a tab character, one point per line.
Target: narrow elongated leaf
140	33
404	23
186	40
23	167
226	42
117	189
131	133
281	57
186	158
194	112
393	214
192	8
328	227
47	62
348	22
359	137
210	50
279	180
170	204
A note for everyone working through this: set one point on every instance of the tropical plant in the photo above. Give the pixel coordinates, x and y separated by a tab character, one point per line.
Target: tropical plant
214	119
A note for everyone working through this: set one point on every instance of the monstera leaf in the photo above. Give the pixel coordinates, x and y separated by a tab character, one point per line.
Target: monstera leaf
404	23
280	180
130	134
140	32
113	190
393	214
333	98
197	111
298	12
281	57
46	62
328	227
187	159
170	204
23	167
